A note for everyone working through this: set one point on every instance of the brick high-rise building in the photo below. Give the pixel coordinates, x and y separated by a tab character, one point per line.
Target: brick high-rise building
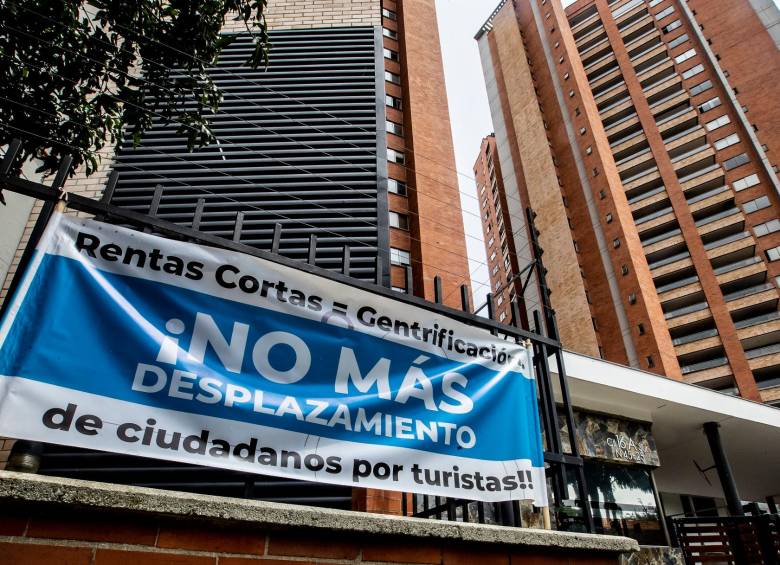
345	136
645	136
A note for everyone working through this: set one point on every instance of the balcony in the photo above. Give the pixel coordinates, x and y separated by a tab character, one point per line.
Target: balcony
694	161
612	96
644	180
635	163
753	306
616	111
681	120
653	229
637	29
649	57
759	336
604	79
741	277
686	140
703	180
623	146
698	336
660	248
663	90
631	16
596	66
656	72
596	52
720	196
590	39
672	270
649	202
765	364
585	19
681	296
721	225
623	128
712	373
670	106
693	314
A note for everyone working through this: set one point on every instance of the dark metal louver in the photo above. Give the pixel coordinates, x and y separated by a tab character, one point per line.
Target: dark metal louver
300	144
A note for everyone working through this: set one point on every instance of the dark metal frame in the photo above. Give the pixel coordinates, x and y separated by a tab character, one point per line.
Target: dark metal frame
544	336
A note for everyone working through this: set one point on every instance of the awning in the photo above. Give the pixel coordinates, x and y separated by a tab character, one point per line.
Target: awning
750	431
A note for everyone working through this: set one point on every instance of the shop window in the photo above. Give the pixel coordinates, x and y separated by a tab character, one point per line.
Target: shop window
623	501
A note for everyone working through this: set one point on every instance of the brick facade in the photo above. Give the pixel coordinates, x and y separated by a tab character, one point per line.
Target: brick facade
34	535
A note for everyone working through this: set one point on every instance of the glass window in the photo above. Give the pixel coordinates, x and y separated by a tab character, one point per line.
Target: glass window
493	255
390	54
400	221
494	270
693	71
665	12
709	105
392	77
395	156
757	204
685	56
389	33
500	300
767	227
727	141
398	289
394	128
490	242
393	102
672	26
400	257
396	187
701	87
717	123
678	41
502	317
622	501
773	254
735	162
389	14
746	182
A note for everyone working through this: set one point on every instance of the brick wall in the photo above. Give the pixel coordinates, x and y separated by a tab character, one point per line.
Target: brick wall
301	14
33	535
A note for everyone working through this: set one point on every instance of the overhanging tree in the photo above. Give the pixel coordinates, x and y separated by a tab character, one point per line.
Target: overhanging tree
76	75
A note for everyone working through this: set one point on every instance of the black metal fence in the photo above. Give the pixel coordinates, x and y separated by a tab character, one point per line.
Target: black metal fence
561	467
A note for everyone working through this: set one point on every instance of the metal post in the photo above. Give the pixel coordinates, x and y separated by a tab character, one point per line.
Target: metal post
660	505
712	431
25	457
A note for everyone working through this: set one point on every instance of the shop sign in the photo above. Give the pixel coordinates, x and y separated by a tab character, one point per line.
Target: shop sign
613	439
127	342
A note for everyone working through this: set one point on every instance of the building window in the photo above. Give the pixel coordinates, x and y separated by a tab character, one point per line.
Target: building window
506	263
693	71
632	298
394	128
494	270
399	257
616	243
393	102
727	141
588	150
773	254
678	41
701	87
685	56
389	14
398	289
583	131
756	205
391	55
565	76
602	196
493	255
389	33
665	12
396	187
624	270
400	221
502	317
735	162
609	218
767	227
672	26
650	362
500	300
709	105
392	77
396	156
746	182
490	242
717	123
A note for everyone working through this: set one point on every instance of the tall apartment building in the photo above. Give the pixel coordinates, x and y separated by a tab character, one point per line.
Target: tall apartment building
644	134
345	136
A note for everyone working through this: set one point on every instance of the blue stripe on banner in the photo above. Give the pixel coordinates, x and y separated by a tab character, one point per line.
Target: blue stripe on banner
91	333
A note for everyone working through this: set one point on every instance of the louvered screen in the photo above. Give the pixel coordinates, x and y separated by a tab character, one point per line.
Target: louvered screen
298	145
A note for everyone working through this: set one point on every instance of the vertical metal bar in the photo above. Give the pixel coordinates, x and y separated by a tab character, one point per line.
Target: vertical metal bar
465	301
62	172
382	203
108	191
277	238
198	215
345	261
437	293
409	279
155	205
10	157
660	505
312	259
378	270
238	227
404	504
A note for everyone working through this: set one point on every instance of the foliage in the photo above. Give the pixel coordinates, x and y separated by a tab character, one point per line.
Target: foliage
75	75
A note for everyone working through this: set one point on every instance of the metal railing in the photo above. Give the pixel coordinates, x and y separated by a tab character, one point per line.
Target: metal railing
738	540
